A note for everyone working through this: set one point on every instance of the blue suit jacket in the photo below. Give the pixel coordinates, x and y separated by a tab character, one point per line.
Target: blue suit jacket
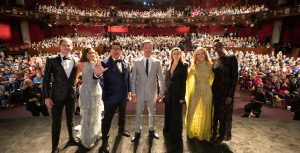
116	85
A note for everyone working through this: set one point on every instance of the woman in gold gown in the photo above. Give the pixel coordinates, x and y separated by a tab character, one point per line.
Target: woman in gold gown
199	96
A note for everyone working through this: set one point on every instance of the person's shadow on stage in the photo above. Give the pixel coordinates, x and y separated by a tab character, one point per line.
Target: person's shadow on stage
135	146
173	146
81	149
150	144
196	146
117	143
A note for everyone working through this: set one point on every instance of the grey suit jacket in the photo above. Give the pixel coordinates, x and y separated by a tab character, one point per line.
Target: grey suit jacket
145	87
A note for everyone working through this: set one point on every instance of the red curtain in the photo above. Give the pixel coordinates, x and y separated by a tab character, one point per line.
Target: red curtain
5	32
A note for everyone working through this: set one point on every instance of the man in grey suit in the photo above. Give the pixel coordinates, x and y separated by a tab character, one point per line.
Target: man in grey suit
145	74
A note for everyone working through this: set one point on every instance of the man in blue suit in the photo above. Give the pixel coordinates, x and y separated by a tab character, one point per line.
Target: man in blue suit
116	91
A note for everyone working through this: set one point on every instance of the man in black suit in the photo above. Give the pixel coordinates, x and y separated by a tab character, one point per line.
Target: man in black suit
226	76
61	70
116	91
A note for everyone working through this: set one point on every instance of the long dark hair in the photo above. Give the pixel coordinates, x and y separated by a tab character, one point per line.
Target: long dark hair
84	51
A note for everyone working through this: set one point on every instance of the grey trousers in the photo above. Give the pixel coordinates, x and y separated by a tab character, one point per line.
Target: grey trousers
139	113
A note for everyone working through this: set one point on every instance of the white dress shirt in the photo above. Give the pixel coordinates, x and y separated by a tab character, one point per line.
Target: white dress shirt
119	65
67	64
149	62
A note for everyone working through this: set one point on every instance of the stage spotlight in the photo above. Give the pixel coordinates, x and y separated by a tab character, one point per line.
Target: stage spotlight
145	3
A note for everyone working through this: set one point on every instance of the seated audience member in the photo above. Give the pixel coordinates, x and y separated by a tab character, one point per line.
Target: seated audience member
13	89
38	78
3	97
33	97
253	109
257	80
272	89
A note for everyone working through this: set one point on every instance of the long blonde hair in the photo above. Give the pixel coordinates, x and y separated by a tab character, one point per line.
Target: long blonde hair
195	61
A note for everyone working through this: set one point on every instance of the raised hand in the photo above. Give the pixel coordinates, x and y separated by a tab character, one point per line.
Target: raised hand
98	69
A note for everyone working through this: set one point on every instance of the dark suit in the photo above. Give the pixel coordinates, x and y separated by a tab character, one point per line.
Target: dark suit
175	91
226	75
62	94
231	63
116	85
35	107
219	97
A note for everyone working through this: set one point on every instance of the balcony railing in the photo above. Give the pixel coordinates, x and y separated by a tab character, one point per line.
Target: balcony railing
178	21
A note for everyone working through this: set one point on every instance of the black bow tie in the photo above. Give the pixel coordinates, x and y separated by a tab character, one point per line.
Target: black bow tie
118	61
66	58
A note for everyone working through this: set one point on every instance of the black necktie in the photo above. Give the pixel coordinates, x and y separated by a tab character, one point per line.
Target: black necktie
147	66
66	58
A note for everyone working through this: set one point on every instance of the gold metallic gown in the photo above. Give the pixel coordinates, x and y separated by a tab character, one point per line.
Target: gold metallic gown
199	102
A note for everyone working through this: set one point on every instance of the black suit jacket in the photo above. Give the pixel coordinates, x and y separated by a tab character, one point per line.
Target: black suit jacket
226	75
219	84
231	64
62	86
176	84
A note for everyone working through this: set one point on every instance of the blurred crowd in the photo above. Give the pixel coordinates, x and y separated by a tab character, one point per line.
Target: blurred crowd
151	13
229	10
132	42
275	77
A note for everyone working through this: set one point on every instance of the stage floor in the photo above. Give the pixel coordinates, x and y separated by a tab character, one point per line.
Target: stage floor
33	135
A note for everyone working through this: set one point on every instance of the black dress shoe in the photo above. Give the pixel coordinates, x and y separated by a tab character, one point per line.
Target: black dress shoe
124	133
136	137
216	141
226	138
55	150
73	142
153	134
104	147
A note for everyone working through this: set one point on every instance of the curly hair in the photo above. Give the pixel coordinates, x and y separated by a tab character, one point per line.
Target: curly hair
84	51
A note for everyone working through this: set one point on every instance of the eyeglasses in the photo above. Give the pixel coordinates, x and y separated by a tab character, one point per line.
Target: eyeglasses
176	53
